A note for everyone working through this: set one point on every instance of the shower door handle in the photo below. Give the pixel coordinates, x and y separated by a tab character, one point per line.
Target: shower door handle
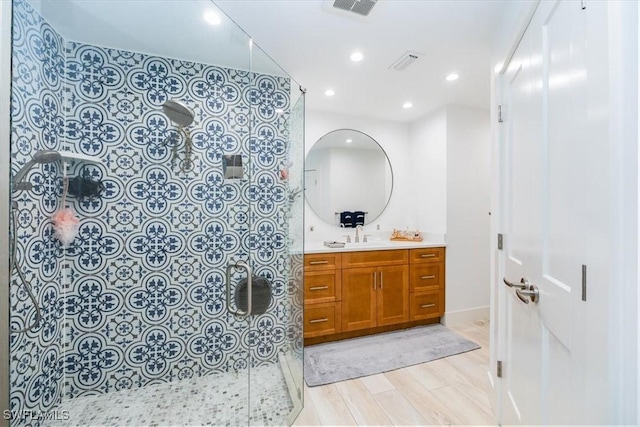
245	266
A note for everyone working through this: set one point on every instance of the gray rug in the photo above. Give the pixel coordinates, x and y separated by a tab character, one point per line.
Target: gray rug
358	357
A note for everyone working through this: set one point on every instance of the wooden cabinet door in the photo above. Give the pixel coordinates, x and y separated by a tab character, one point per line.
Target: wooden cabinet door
358	298
393	295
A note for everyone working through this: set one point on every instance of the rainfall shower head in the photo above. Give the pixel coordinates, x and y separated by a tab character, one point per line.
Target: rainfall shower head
40	157
178	113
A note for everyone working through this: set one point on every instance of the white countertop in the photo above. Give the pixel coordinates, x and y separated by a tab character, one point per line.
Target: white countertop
430	241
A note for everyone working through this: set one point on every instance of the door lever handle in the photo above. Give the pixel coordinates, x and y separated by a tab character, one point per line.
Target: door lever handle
522	285
532	293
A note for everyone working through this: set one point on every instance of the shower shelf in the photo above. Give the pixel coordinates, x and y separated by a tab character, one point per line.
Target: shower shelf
69	155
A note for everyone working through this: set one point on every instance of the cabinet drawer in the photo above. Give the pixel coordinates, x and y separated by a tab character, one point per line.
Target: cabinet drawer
427	277
426	255
375	258
322	261
322	319
426	305
322	286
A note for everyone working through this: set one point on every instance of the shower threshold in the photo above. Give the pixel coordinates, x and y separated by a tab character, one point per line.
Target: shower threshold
220	399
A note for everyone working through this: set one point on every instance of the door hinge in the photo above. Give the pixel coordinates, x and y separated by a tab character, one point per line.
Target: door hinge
500	240
499	369
500	114
584	282
583	4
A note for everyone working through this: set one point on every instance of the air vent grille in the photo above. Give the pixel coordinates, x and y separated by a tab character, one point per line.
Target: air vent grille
361	7
404	61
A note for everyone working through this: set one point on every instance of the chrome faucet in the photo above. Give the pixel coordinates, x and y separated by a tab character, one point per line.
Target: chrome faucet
358	227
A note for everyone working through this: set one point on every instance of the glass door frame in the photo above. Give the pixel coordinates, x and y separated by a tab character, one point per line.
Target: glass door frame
5	195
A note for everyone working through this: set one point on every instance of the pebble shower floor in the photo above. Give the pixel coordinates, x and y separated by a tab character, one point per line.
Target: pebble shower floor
202	401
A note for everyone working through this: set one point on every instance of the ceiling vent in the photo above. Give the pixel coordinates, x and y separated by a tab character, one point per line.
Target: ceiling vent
404	61
361	7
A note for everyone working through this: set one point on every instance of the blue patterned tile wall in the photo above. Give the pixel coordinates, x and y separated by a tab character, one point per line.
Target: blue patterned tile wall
139	296
37	116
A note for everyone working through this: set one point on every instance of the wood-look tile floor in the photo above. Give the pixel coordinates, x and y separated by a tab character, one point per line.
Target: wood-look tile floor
453	390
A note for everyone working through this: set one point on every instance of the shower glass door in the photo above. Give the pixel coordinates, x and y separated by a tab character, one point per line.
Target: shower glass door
177	146
277	155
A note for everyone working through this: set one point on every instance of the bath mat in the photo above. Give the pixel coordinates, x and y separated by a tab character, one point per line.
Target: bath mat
358	357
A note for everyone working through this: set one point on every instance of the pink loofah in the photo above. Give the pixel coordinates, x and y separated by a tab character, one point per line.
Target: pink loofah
66	225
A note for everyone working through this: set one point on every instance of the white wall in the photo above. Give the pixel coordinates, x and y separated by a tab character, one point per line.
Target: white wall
428	192
394	139
467	209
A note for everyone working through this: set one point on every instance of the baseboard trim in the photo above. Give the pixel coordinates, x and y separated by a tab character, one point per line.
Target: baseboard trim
452	318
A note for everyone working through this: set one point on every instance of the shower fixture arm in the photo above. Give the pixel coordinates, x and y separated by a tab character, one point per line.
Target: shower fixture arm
17	179
25	284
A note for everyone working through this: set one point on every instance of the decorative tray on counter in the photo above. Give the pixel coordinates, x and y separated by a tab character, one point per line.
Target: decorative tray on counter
406	236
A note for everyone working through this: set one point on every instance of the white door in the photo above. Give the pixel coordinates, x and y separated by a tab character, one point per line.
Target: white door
546	200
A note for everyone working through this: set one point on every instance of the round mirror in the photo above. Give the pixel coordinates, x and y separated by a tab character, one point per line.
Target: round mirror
348	178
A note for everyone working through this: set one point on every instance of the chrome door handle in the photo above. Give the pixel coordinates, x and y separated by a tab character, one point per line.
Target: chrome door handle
522	285
245	266
375	281
524	290
533	293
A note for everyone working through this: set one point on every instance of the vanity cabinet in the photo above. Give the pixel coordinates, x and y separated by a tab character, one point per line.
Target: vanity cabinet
322	294
357	293
427	283
375	296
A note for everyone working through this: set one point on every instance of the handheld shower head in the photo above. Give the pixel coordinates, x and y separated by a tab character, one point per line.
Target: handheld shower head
40	157
178	112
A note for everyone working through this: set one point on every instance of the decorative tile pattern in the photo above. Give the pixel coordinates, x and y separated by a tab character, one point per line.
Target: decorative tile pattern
37	117
138	299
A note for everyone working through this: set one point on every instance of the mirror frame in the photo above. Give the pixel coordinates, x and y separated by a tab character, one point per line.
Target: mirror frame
384	208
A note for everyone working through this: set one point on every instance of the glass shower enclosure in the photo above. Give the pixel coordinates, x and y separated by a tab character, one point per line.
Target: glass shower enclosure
153	197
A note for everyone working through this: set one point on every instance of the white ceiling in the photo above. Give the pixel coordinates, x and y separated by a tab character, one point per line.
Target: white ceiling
312	41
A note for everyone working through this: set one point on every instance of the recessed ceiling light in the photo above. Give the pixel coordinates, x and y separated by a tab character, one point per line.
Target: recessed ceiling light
329	92
407	105
349	141
357	56
453	76
212	17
